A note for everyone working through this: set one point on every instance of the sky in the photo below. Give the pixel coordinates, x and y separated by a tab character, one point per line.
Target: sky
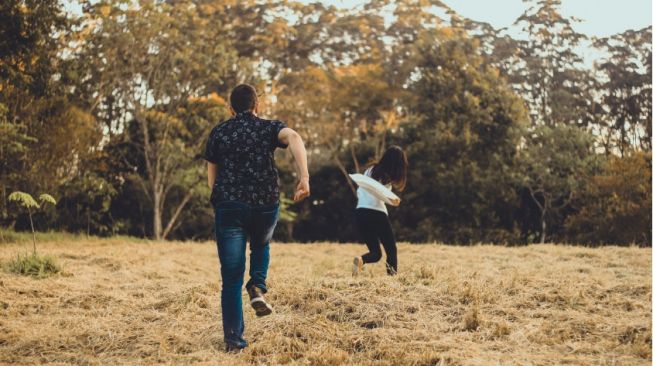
601	17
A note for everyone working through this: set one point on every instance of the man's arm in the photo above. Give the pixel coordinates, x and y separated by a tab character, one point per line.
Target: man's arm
212	172
288	136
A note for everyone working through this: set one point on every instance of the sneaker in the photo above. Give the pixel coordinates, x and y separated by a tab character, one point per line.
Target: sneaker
229	348
358	266
258	302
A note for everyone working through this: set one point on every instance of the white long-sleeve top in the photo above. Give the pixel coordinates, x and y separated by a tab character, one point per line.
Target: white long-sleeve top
367	200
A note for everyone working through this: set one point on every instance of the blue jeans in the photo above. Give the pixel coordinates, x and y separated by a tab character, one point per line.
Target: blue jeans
234	223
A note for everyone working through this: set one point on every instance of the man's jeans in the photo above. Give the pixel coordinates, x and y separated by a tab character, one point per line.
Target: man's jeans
234	223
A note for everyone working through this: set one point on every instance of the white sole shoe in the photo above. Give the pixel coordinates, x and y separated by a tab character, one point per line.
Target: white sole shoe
261	307
357	267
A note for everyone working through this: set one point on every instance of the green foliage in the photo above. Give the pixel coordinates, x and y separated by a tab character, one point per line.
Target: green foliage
46	198
285	214
24	199
553	167
461	145
28	202
166	115
549	73
34	265
117	137
85	205
624	111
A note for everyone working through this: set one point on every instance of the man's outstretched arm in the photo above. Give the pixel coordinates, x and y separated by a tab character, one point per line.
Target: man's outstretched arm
294	141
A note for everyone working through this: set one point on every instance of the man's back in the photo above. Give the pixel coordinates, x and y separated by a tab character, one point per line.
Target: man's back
243	150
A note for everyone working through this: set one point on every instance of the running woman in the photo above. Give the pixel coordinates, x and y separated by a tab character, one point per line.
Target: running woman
372	215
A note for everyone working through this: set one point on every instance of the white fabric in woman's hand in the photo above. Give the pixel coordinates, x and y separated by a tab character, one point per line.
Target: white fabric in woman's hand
376	189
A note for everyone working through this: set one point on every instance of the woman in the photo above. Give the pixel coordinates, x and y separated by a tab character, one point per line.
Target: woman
372	215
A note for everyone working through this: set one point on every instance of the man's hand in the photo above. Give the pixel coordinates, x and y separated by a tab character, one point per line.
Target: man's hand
296	145
395	201
302	190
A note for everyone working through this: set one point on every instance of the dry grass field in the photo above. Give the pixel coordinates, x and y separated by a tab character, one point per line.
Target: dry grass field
136	302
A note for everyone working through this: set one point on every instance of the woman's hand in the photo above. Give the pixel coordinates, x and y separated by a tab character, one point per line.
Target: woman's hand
395	201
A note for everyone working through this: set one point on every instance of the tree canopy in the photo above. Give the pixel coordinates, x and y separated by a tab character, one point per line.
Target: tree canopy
510	140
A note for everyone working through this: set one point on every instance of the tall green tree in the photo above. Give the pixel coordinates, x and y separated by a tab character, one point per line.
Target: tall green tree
553	166
41	125
461	144
149	62
548	72
624	106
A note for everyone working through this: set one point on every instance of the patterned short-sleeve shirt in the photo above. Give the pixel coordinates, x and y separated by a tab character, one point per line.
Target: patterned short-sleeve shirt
243	149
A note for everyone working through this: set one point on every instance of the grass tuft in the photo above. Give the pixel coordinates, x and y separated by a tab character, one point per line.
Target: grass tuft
34	265
472	320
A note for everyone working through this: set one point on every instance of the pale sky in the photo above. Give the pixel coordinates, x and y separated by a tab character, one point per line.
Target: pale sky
601	17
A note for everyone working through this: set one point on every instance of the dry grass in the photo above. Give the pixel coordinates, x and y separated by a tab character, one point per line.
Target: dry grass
120	302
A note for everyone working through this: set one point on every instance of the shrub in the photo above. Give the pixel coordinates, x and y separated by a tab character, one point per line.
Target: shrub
34	265
615	207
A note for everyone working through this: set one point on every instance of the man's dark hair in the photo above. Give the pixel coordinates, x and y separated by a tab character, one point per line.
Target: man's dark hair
243	98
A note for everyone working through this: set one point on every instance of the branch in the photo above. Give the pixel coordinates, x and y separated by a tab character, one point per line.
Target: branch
178	211
352	150
146	144
343	170
530	190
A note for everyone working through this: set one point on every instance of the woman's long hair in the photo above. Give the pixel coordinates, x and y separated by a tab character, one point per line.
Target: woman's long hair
392	168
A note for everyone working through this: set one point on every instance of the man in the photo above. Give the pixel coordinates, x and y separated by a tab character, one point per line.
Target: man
245	196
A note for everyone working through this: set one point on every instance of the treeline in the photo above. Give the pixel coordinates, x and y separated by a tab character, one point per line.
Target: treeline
509	140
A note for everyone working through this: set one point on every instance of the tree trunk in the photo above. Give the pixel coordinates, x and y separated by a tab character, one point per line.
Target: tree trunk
289	228
156	216
4	201
354	158
543	228
31	224
543	208
178	211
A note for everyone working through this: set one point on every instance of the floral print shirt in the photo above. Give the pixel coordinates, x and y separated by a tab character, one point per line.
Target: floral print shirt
243	149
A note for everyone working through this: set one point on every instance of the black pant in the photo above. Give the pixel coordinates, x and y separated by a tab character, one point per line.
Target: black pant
374	226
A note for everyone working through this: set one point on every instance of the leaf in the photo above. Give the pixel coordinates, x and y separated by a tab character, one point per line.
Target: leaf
46	198
23	199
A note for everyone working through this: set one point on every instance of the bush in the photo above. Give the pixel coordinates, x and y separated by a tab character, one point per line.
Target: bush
34	265
615	208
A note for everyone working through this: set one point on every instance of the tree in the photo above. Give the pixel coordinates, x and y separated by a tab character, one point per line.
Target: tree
85	205
338	110
624	107
155	94
39	126
549	73
554	163
615	206
29	203
461	141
